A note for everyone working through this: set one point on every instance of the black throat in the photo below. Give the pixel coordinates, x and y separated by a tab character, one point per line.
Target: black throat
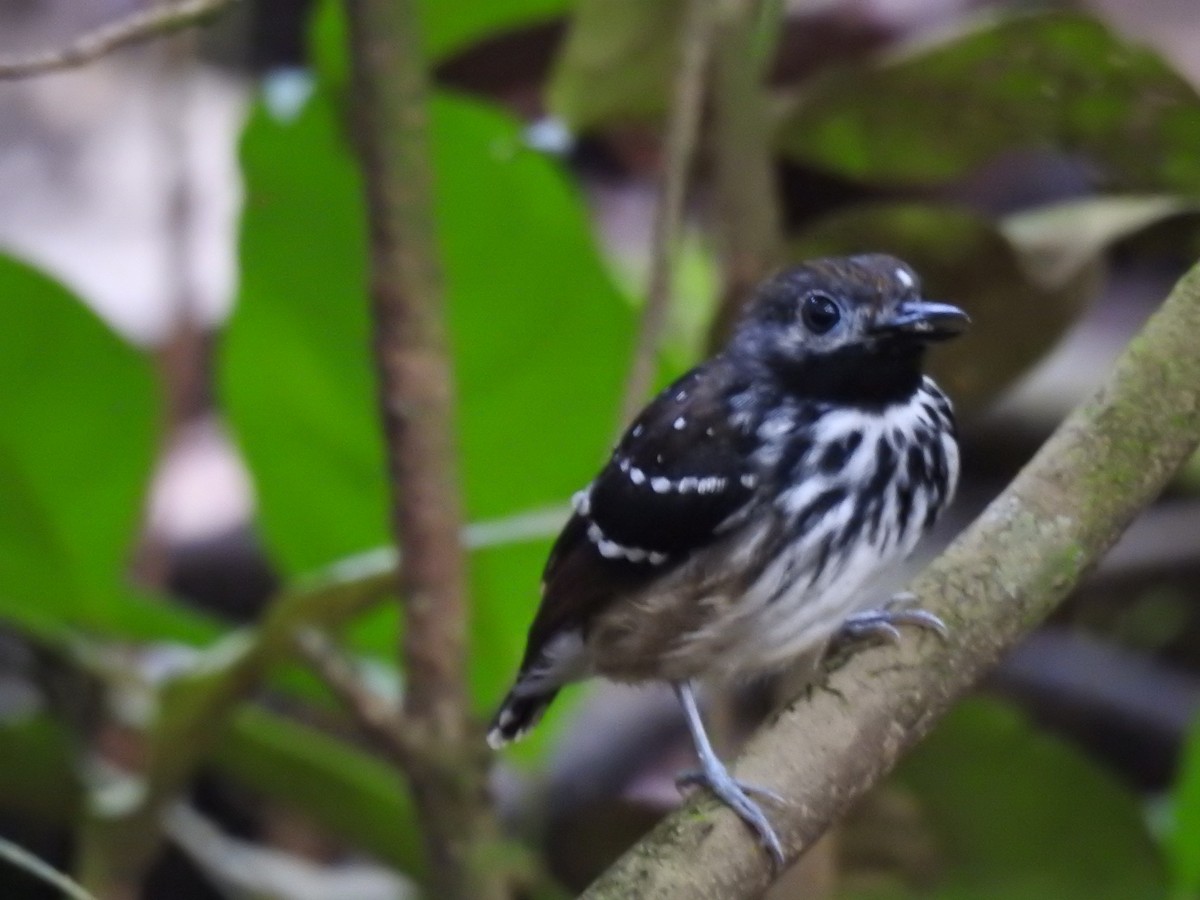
868	377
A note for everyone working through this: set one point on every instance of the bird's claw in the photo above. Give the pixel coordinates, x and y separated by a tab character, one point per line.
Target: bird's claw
736	796
882	623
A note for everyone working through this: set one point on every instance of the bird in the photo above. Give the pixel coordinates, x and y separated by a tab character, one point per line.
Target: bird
743	512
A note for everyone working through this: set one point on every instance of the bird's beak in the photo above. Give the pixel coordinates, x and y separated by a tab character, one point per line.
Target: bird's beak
926	320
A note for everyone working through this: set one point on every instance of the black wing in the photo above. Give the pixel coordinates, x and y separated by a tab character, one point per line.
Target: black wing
677	479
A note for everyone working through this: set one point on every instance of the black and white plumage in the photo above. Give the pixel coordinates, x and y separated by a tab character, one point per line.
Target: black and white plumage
743	512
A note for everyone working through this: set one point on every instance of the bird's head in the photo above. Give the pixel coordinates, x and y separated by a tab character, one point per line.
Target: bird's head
847	329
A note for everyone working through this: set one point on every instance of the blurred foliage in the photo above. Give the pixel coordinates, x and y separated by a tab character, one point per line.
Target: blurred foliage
540	337
1007	812
450	27
536	325
1052	81
71	387
616	62
77	438
1183	833
346	790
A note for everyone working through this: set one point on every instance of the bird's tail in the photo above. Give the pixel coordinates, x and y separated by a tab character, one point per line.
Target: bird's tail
519	712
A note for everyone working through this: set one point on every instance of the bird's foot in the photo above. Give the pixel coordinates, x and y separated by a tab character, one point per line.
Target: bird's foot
736	795
883	623
873	626
696	778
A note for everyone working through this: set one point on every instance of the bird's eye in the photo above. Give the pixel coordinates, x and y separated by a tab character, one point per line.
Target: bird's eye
819	313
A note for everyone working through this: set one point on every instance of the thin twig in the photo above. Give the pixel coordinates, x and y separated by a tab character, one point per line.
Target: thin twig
749	223
417	404
680	150
995	583
90	46
27	862
373	713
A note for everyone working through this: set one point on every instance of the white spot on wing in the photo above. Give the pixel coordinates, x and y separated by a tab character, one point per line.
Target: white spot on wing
637	476
612	550
660	485
680	423
903	276
581	501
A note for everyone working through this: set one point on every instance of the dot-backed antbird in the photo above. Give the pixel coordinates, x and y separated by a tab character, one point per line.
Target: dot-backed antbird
745	510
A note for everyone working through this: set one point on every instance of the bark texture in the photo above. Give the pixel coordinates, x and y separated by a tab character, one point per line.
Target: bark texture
448	772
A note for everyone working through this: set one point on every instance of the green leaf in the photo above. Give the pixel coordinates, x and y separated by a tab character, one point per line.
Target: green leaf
446	28
617	61
965	259
77	428
37	590
350	793
78	414
451	27
42	786
1182	843
1014	813
538	331
1061	82
295	370
536	326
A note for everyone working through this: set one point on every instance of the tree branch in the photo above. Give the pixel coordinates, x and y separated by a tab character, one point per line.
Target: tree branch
682	131
417	399
994	584
371	712
90	46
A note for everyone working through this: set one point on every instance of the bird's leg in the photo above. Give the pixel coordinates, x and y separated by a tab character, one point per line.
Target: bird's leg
715	776
883	623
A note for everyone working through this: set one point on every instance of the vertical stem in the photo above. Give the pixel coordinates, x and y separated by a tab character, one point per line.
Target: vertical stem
115	853
416	396
416	390
680	149
749	218
115	850
417	399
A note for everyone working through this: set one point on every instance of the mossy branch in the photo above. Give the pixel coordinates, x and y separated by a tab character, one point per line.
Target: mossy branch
995	583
